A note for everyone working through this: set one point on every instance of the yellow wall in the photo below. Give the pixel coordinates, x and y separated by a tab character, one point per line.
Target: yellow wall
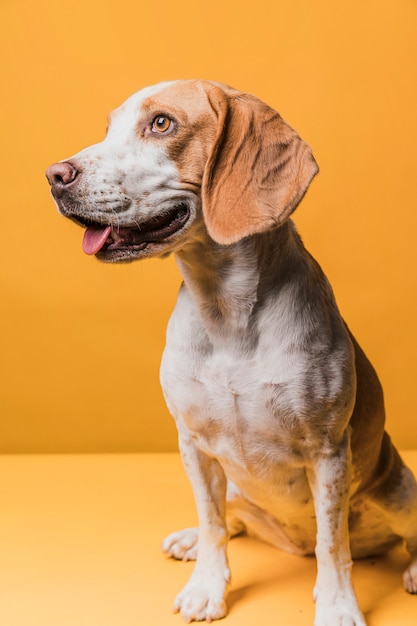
82	341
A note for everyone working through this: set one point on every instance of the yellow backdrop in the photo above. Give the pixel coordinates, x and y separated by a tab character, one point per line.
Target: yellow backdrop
81	341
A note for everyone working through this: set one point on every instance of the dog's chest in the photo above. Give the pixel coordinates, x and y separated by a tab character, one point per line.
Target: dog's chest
232	407
244	408
229	409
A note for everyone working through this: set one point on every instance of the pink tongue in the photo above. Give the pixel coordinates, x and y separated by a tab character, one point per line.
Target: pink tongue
95	238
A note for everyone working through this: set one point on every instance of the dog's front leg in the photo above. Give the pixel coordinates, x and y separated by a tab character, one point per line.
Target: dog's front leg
204	596
329	477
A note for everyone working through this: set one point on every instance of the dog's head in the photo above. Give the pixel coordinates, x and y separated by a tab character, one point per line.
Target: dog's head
181	158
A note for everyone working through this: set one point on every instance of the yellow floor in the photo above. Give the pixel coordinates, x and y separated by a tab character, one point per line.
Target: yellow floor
80	542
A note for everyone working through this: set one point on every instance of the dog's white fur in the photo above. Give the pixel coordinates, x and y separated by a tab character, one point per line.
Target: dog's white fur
279	413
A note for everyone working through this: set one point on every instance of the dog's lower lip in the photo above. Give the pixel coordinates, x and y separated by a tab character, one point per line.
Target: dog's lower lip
137	237
153	231
117	245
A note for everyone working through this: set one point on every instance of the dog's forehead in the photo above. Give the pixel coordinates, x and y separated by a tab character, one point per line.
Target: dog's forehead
182	98
127	113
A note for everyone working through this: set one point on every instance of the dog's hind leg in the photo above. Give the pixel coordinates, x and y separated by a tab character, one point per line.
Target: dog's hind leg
409	534
395	494
403	512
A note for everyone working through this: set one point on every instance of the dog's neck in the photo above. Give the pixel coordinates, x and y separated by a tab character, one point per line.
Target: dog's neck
228	282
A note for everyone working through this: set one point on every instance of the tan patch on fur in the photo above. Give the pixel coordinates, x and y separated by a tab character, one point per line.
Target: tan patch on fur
258	171
190	144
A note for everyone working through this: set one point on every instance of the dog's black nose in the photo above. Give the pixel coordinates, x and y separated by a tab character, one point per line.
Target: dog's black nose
60	175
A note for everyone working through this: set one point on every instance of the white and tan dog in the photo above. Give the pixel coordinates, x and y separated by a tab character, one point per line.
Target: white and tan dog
280	415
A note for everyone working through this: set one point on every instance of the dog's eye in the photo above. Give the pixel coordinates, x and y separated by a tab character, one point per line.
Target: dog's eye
162	124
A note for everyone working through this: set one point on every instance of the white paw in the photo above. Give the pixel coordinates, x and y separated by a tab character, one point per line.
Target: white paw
203	598
410	578
182	545
339	615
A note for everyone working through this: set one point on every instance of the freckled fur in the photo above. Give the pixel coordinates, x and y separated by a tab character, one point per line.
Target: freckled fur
279	412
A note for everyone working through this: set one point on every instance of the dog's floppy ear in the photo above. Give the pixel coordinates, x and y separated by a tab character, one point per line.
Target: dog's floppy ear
258	170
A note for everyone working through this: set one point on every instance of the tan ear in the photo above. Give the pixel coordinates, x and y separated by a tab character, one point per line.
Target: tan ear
258	170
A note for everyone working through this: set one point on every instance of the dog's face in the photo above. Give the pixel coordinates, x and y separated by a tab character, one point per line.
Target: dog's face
138	191
180	158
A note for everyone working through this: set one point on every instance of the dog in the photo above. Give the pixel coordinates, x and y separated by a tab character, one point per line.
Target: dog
280	415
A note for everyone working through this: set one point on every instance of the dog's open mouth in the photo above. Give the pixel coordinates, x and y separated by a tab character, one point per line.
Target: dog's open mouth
102	238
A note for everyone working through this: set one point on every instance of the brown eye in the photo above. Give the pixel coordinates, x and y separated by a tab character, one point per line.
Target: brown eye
162	124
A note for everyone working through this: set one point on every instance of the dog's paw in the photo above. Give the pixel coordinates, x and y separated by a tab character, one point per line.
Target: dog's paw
182	545
203	598
410	578
339	615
